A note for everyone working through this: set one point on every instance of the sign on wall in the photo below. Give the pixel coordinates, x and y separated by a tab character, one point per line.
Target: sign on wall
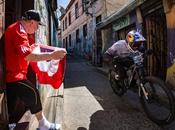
121	23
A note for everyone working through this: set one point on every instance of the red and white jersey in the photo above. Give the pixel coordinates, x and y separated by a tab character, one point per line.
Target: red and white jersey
17	47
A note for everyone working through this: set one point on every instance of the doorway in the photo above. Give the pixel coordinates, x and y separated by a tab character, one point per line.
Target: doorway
156	35
14	9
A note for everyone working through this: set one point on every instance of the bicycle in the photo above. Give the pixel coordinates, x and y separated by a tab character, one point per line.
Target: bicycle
156	98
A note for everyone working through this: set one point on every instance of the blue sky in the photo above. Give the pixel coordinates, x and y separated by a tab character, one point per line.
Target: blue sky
63	3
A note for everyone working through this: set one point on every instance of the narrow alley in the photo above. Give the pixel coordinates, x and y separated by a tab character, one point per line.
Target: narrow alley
90	104
82	31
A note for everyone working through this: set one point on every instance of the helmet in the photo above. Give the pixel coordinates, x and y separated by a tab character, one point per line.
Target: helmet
134	38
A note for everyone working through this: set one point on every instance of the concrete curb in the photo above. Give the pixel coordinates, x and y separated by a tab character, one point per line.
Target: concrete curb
102	71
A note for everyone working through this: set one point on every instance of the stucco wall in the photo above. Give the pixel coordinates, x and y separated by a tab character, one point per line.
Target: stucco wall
42	35
102	7
85	44
113	6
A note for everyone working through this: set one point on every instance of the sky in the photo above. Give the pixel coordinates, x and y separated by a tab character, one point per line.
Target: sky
63	3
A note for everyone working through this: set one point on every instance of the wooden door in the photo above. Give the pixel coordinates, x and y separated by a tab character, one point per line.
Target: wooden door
156	35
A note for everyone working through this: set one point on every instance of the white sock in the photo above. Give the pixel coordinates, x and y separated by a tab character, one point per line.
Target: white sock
44	124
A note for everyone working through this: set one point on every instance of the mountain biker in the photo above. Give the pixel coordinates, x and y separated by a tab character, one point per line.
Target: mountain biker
133	42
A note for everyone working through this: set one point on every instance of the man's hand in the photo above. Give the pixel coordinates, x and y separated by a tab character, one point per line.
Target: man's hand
58	54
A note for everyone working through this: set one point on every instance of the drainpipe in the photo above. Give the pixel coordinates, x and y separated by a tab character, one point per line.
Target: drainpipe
94	44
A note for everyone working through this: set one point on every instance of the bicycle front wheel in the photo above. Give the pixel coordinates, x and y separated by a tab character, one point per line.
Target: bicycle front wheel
159	106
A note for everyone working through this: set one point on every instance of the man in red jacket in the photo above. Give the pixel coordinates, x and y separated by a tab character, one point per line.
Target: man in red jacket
18	54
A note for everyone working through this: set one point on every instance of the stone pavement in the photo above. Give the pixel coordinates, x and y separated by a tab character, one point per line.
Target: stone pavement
104	70
90	103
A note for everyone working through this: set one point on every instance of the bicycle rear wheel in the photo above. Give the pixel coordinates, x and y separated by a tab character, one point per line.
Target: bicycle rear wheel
159	106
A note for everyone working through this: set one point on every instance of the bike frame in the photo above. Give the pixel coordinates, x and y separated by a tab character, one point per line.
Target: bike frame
138	70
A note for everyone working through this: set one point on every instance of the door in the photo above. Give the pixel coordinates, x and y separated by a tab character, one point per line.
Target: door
10	11
156	35
3	105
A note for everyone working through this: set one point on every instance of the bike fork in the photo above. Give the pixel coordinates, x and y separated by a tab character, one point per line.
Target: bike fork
144	91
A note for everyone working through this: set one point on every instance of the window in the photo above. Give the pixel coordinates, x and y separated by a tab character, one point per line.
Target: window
63	25
76	11
85	30
83	5
66	23
69	15
66	42
70	40
98	19
77	36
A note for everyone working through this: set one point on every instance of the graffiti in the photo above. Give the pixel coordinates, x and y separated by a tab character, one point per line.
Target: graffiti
42	35
173	76
172	58
171	70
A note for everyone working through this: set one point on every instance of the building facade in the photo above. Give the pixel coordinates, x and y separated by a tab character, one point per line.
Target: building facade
79	21
144	15
77	28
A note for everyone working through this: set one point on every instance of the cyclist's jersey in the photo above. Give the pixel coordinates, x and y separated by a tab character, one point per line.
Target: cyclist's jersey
120	48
